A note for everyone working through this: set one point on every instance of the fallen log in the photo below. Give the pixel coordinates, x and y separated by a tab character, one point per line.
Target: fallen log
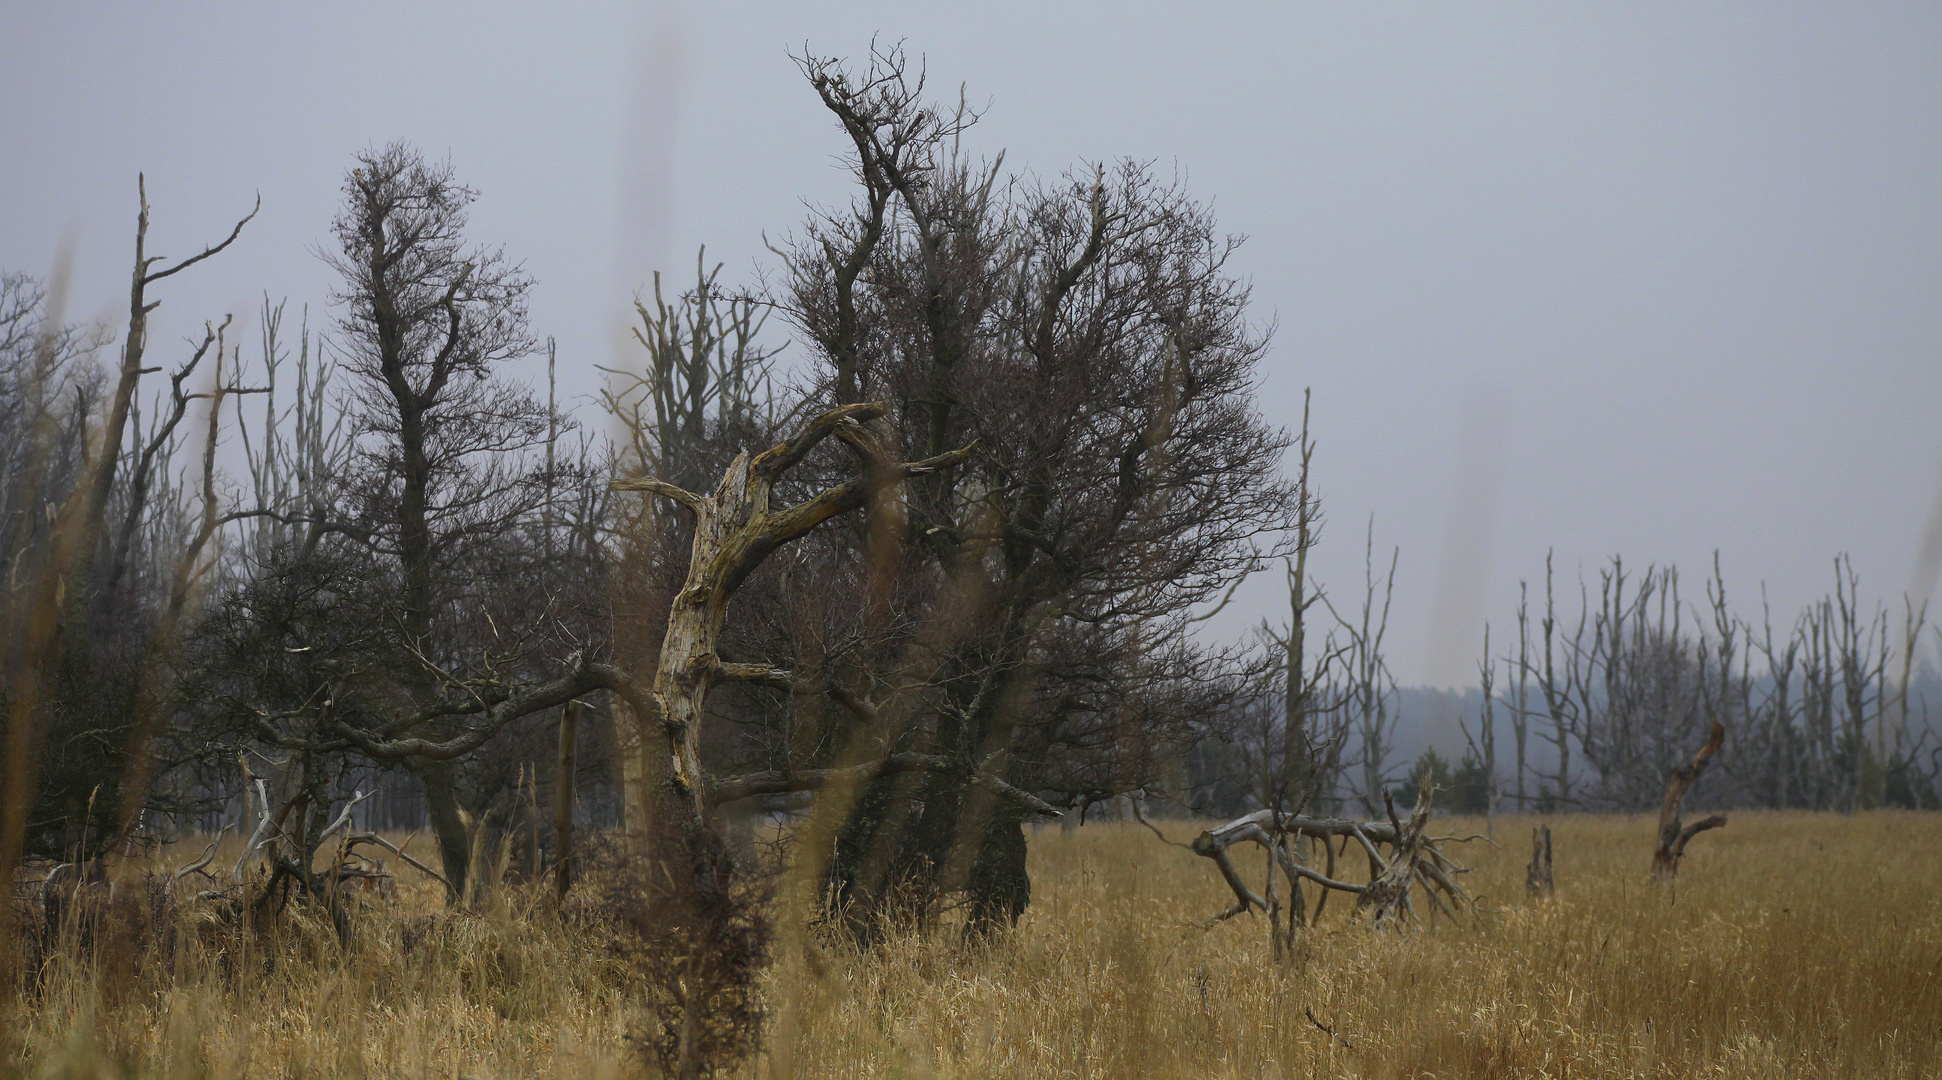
1414	859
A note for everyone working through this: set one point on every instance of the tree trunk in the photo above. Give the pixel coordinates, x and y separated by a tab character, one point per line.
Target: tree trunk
563	801
640	745
735	529
448	824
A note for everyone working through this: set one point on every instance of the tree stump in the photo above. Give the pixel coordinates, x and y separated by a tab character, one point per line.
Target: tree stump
1537	877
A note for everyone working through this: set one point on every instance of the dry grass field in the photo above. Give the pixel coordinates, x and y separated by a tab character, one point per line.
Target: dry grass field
1795	945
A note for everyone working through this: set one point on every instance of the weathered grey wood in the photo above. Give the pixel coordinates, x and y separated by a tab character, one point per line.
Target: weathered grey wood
1415	858
1319	827
208	856
1387	895
374	838
735	529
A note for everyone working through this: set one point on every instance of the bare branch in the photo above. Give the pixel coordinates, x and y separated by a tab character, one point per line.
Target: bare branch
344	816
755	673
777	782
659	487
374	838
208	856
150	279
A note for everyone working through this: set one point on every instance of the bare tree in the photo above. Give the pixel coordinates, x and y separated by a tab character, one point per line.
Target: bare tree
78	657
1371	685
1643	674
702	393
1520	712
706	380
737	528
1305	751
1086	333
1559	688
444	476
1480	766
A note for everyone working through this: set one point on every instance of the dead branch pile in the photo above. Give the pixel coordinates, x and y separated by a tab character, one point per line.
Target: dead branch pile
1401	855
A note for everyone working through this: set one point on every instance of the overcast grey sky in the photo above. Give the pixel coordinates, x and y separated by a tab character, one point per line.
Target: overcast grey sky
1649	279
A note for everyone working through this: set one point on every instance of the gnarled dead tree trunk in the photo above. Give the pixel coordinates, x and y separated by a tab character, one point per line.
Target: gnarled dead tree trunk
735	529
702	941
1673	837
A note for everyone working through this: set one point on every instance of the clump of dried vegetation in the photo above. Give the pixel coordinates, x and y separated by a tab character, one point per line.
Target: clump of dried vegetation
1800	945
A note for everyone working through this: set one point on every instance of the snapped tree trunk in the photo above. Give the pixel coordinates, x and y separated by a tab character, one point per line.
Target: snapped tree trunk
735	529
1673	836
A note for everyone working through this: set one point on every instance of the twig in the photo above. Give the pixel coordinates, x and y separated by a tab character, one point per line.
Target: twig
1140	816
344	817
374	838
208	855
1343	1039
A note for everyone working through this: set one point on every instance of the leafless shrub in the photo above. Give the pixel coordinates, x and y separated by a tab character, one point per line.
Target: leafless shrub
691	929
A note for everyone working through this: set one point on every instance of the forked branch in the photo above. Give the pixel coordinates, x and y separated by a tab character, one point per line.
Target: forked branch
1673	836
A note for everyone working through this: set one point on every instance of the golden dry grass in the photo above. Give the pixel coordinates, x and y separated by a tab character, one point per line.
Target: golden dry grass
1795	945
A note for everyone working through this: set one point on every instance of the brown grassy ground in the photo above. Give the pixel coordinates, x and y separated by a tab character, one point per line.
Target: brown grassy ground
1795	945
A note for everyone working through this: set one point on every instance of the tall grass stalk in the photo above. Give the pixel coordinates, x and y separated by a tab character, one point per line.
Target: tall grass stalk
1795	944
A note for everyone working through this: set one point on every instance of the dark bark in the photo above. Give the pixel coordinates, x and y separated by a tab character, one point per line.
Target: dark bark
1537	876
448	824
1673	835
563	803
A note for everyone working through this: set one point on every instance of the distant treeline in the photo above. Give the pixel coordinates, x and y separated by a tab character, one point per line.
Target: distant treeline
1589	706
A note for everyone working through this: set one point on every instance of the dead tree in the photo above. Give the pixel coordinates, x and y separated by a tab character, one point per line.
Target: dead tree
701	392
51	555
1520	716
1371	690
735	529
1414	858
1672	836
1483	748
1301	774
